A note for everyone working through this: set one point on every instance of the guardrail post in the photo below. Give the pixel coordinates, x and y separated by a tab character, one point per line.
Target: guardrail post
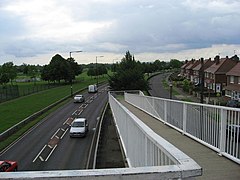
165	112
222	133
184	118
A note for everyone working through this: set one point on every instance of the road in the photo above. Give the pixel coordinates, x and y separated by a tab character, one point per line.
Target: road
47	146
157	89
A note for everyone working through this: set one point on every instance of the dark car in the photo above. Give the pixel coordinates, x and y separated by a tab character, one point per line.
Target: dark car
233	132
8	166
232	103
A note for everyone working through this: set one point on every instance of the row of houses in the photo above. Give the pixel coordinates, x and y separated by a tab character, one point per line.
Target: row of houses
221	76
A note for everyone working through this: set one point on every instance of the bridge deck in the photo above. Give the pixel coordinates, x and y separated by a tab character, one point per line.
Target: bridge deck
214	166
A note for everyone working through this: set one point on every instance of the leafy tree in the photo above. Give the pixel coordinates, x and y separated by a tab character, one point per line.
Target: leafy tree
129	75
46	73
102	69
61	69
77	69
174	63
91	72
8	72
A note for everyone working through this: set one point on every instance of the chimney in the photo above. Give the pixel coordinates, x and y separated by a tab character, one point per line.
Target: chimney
235	58
217	59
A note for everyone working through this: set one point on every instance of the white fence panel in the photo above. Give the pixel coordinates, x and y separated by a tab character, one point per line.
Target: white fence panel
214	126
143	147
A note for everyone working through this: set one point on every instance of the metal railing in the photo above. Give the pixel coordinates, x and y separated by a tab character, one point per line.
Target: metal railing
214	126
143	147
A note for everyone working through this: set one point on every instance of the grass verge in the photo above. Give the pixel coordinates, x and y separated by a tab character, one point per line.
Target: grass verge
25	128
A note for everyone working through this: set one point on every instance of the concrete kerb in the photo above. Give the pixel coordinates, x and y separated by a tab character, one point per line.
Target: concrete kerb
17	126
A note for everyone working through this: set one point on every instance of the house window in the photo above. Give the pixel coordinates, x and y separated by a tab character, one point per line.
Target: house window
231	79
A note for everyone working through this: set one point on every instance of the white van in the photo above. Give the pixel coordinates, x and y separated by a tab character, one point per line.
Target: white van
79	127
92	88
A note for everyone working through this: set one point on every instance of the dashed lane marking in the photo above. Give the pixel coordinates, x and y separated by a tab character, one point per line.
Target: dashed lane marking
64	133
55	133
39	153
40	157
51	152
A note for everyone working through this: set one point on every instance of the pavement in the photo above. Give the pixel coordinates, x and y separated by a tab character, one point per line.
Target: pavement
213	166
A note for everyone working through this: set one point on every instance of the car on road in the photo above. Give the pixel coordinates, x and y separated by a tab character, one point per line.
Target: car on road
8	166
233	103
79	98
79	127
233	132
92	88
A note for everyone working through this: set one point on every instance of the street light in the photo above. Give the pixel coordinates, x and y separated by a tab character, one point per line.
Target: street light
74	52
170	85
70	58
97	69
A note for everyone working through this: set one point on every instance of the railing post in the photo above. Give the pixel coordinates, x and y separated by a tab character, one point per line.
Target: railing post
222	133
165	112
184	118
146	156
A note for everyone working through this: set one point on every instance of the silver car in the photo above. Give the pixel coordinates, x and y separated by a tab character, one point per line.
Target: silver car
79	98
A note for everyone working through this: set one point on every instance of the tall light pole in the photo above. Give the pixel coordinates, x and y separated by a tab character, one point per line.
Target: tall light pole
170	85
97	68
70	53
74	52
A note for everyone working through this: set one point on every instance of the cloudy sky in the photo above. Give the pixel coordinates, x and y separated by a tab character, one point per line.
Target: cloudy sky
32	31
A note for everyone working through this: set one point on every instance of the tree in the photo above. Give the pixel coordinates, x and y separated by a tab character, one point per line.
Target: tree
61	69
91	72
129	75
8	72
77	69
174	63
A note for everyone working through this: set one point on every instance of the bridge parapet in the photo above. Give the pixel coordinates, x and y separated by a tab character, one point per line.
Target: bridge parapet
216	127
144	148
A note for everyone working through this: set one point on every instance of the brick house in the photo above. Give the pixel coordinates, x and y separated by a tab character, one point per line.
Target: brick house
183	72
189	69
196	70
232	90
215	75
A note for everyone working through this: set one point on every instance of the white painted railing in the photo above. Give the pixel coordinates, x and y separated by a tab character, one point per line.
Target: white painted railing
144	148
214	126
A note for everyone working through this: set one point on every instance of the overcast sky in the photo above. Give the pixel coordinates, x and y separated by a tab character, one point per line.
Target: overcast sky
32	31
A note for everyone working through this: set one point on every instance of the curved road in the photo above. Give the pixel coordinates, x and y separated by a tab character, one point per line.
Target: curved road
157	89
47	146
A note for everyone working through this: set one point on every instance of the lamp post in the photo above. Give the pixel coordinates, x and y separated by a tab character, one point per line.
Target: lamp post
97	69
74	52
170	85
70	53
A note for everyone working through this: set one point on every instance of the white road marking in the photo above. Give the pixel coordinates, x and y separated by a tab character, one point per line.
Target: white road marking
85	105
55	133
80	112
51	152
39	153
74	112
50	146
40	157
63	129
66	121
64	133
